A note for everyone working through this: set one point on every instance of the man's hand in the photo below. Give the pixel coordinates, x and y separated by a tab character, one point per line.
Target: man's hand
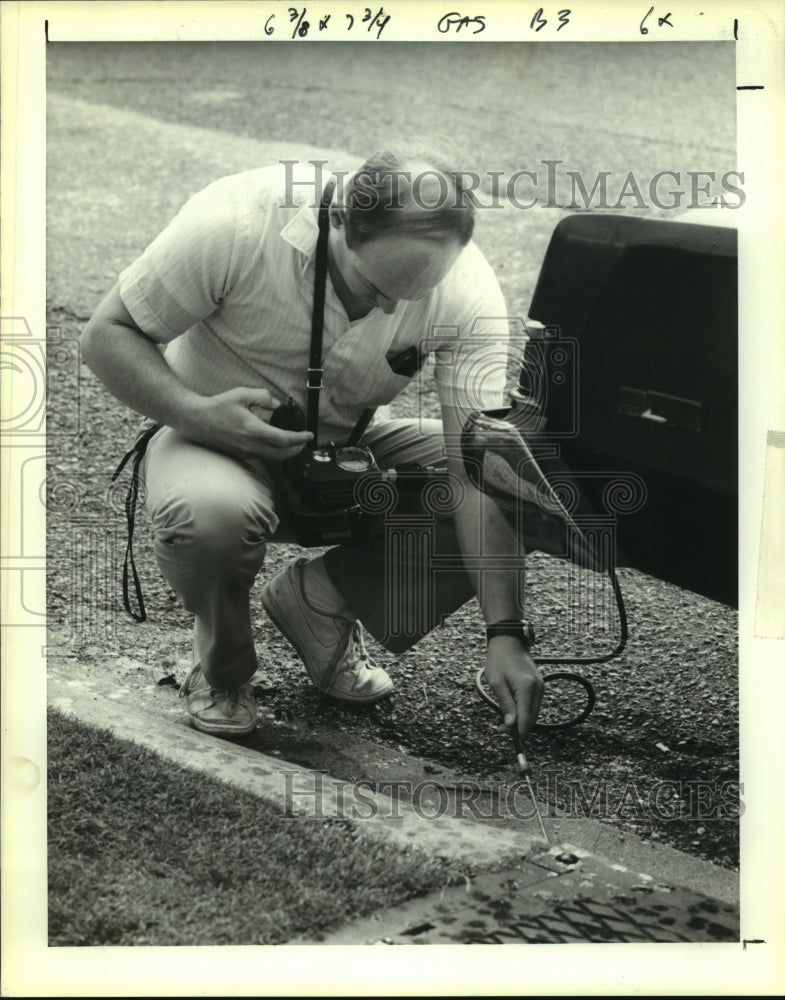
516	681
237	423
132	367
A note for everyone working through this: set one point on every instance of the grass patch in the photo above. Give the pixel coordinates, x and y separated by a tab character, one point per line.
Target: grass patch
144	852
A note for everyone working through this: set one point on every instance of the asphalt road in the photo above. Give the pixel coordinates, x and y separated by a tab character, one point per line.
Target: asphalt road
615	107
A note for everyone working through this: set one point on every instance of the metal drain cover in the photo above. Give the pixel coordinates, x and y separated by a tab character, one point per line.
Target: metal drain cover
543	901
594	921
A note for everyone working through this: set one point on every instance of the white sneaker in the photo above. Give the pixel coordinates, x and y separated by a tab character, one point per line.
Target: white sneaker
331	648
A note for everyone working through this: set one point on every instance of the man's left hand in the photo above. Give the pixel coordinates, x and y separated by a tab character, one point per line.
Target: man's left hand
516	681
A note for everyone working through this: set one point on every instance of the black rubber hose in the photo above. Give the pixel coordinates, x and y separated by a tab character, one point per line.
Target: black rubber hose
570	675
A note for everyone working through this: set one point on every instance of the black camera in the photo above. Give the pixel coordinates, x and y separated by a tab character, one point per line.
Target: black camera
321	484
333	492
322	492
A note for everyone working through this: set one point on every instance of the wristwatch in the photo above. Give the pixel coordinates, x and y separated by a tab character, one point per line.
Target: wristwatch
520	629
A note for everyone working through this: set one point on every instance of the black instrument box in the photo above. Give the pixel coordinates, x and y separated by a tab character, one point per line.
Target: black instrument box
636	365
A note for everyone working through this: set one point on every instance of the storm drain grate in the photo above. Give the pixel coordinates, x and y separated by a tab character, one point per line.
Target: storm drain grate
541	917
545	901
583	921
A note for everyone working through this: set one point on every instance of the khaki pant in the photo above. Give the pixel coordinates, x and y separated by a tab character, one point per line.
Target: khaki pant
213	517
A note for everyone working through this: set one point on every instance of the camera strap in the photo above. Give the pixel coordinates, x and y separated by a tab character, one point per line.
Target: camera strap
135	455
315	369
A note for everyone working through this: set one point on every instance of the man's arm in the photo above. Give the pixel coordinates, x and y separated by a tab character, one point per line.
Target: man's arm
483	531
131	366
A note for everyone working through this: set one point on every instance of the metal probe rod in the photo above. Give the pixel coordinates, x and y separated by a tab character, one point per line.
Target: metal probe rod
526	770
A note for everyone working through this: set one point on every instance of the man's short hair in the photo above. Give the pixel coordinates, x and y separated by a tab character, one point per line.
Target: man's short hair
400	192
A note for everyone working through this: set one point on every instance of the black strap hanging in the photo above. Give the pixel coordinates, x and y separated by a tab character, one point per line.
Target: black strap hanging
315	369
137	453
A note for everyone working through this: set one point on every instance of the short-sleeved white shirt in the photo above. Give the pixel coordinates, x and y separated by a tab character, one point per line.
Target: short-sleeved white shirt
228	286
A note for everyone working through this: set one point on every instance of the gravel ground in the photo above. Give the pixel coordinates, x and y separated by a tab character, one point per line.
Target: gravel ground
667	710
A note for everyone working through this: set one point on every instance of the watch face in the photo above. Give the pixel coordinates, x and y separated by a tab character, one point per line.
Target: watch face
353	459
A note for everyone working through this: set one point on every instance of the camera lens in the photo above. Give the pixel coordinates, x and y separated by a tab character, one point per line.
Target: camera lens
353	459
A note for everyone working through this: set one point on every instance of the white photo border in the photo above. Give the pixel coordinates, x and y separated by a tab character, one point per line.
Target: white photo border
30	968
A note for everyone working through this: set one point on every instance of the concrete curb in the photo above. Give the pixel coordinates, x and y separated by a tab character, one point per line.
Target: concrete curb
160	725
153	716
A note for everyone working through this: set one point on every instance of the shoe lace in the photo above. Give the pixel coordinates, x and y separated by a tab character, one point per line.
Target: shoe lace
187	685
356	655
232	695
